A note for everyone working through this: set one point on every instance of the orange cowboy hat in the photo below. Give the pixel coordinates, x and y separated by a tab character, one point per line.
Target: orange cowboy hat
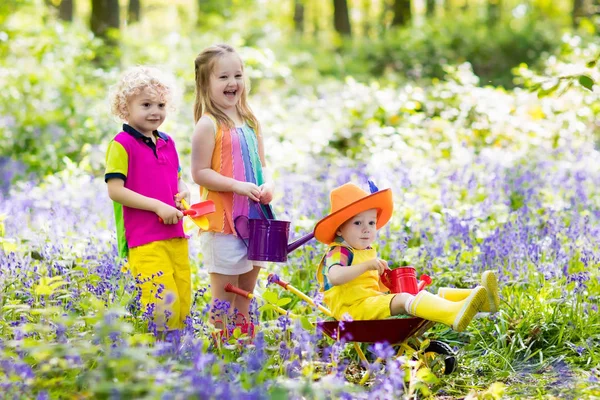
349	200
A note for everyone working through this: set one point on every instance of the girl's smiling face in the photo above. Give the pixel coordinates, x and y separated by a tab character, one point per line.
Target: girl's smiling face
227	82
360	230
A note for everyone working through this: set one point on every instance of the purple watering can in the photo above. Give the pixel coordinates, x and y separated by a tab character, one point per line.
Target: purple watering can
266	237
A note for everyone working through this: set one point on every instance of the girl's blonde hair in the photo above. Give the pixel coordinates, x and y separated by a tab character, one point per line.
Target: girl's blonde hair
204	65
133	81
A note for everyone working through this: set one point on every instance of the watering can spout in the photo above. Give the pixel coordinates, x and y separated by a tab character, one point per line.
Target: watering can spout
299	242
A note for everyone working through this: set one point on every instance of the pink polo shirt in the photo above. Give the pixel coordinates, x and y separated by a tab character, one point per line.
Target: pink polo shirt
150	170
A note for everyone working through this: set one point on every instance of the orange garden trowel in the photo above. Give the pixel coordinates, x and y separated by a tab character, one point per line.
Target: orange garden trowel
197	212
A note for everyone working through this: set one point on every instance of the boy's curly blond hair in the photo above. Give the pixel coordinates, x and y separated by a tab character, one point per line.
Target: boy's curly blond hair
133	81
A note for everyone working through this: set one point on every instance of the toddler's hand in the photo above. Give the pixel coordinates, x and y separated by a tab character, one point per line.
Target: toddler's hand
169	215
185	195
378	265
247	189
266	192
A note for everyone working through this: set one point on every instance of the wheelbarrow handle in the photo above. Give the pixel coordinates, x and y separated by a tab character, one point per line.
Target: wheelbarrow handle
241	292
281	283
274	278
234	289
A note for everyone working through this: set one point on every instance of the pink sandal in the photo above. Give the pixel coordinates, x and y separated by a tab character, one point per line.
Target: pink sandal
247	328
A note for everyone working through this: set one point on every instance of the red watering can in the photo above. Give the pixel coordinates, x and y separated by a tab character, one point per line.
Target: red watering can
267	238
404	280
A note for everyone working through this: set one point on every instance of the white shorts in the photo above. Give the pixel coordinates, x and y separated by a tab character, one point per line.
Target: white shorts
226	254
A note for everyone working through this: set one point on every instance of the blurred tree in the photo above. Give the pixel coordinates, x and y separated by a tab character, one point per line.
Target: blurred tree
386	13
209	9
366	13
494	11
447	6
580	10
299	16
65	10
431	8
133	11
105	16
402	12
341	18
315	17
104	22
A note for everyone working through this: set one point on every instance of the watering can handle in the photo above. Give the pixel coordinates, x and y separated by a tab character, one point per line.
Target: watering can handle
425	281
269	211
264	211
235	226
385	277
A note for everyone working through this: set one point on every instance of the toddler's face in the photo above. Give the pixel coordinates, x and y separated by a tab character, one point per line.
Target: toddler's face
227	81
147	111
360	231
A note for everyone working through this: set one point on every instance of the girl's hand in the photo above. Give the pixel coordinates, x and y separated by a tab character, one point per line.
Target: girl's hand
378	265
266	192
169	215
247	189
183	194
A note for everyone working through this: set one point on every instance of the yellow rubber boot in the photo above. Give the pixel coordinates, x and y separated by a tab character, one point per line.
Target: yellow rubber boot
456	314
488	281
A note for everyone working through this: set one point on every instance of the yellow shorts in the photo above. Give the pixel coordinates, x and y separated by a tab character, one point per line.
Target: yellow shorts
163	268
374	307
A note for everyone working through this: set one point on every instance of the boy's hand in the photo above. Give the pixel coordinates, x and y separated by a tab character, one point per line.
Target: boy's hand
378	265
266	192
169	215
247	189
183	194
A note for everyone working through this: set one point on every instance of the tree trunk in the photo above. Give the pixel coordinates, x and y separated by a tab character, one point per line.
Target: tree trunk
430	8
494	11
402	12
133	11
65	10
105	16
299	16
341	18
579	11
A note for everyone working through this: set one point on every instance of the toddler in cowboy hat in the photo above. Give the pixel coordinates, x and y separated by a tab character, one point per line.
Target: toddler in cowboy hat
349	273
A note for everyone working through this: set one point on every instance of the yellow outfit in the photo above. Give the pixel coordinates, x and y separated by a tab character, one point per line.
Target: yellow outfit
361	298
170	257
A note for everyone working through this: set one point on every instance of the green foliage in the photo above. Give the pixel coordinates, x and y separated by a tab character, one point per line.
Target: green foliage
423	51
54	103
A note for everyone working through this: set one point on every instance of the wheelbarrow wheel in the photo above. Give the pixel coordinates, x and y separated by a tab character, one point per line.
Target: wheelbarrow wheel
440	358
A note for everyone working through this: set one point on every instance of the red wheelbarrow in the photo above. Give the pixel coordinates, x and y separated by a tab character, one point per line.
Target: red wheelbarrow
403	333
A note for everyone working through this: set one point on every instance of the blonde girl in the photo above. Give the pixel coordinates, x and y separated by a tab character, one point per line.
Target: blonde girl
228	162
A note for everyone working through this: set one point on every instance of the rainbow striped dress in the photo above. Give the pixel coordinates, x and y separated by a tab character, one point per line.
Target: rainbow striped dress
235	156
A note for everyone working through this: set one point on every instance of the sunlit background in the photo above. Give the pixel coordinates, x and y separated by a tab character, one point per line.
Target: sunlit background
480	115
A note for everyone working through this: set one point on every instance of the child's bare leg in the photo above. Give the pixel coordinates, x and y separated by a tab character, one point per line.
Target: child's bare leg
217	289
399	302
246	282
